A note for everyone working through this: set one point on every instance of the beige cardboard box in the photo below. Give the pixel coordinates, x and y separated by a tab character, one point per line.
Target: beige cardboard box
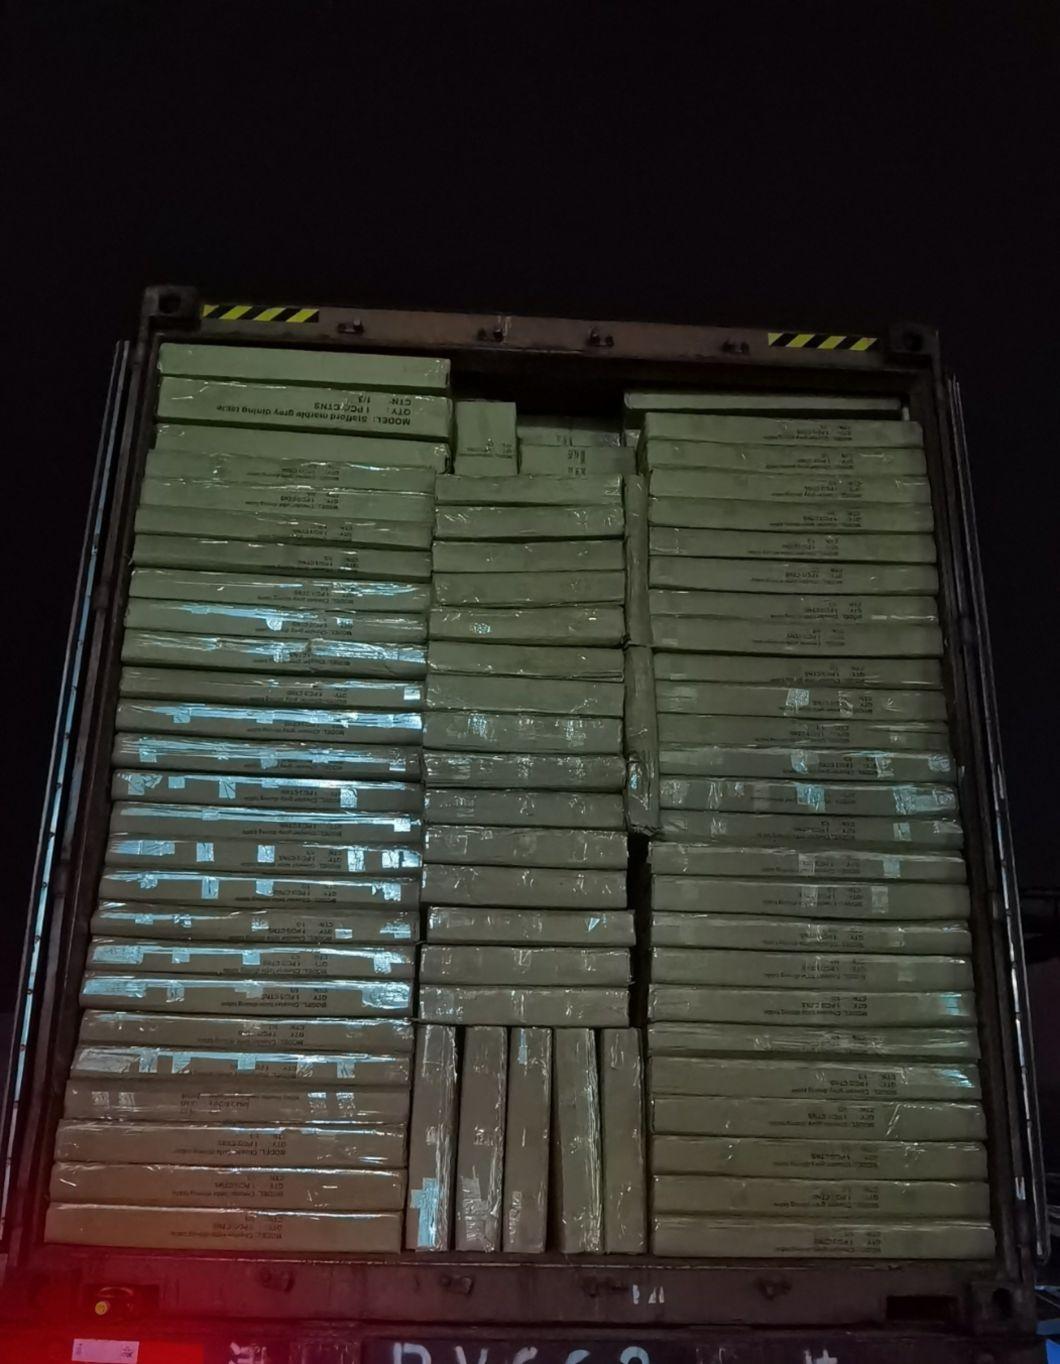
243	756
287	499
789	575
637	402
186	551
480	1145
528	696
484	466
195	888
782	1079
529	523
338	1147
701	859
269	793
798	970
811	545
261	527
227	854
524	809
115	919
487	430
786	431
817	764
897	673
720	698
361	1068
231	1102
515	660
146	818
547	626
166	994
576	1165
936	900
526	1143
813	460
489	846
807	935
576	461
642	743
754	731
489	494
336	657
714	1004
215	959
812	1159
524	888
551	966
287	365
638	615
304	445
838	800
263	470
706	634
432	1145
728	1039
814	1118
908	518
709	1237
313	594
472	731
791	486
387	1035
820	831
177	1186
266	689
562	431
527	771
321	1233
530	927
815	1198
795	608
274	622
521	589
625	1201
544	556
511	1006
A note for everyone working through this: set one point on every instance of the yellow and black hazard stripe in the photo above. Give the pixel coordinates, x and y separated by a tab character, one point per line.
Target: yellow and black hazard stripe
249	312
822	341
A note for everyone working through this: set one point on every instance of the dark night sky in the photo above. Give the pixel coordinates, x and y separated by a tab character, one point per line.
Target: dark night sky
868	163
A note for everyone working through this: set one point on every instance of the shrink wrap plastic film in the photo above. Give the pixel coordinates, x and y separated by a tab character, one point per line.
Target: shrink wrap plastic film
197	995
432	1147
342	448
480	1141
342	657
236	822
235	1101
313	594
264	469
215	959
622	1124
226	855
238	756
386	1035
300	1067
224	555
576	1157
256	722
269	793
274	622
527	1141
305	926
268	689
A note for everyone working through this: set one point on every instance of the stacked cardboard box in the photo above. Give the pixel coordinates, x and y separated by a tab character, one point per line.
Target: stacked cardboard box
573	447
244	1070
813	1081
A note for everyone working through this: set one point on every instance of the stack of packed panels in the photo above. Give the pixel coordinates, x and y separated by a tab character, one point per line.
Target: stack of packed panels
573	447
813	1079
525	850
244	1069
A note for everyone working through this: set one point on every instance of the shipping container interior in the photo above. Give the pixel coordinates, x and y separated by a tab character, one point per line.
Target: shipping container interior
583	369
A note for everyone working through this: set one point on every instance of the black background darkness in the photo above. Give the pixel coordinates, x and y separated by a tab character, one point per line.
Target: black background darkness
851	165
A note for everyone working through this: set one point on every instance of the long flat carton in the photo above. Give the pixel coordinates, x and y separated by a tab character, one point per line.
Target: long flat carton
809	899
806	935
798	970
577	1195
291	856
265	469
486	429
343	657
642	743
814	764
524	696
529	523
195	888
730	1039
472	730
176	1186
291	528
802	486
490	493
820	545
327	594
552	966
526	771
118	920
698	859
187	551
766	1078
165	994
216	959
144	817
757	575
524	809
625	1202
356	411
510	1006
825	830
239	756
387	1035
639	401
523	660
795	608
561	431
322	1233
432	1149
526	1144
762	731
288	365
895	673
524	888
138	1062
314	446
529	927
709	513
576	461
718	1004
350	1148
287	499
520	589
525	847
871	704
591	625
269	622
480	1142
231	1102
836	460
484	466
707	634
273	722
817	1159
269	793
269	689
708	1237
813	1118
814	1198
761	430
838	800
544	556
638	615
